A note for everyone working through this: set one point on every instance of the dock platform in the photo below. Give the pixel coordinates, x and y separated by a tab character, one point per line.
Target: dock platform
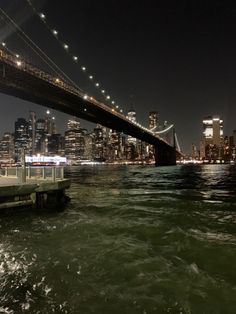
36	190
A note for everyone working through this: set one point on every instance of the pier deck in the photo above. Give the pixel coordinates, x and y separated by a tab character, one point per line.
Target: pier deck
35	192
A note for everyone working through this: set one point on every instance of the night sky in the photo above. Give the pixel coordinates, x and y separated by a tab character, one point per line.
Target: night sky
175	57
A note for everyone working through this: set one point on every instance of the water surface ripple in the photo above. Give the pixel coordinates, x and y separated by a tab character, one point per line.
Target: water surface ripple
132	240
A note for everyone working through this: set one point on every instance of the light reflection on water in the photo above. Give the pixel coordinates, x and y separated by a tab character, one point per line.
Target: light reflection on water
132	240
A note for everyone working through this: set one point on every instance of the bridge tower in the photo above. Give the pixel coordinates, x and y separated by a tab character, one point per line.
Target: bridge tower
165	155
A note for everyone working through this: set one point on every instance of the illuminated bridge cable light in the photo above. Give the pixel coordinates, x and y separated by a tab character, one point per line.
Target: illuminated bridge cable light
55	33
3	44
42	16
91	77
36	49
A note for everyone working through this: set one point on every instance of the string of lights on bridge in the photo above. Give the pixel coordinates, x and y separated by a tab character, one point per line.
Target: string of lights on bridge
19	63
75	57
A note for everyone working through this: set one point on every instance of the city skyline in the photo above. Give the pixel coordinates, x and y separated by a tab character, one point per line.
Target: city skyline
176	61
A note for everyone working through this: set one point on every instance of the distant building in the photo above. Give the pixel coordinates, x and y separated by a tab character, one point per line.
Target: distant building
7	152
40	136
21	136
32	133
55	144
100	143
212	138
75	141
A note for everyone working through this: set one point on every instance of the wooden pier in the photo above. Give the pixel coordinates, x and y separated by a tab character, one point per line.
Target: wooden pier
35	187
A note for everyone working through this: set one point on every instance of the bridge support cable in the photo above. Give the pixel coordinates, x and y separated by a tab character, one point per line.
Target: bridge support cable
74	57
177	143
40	53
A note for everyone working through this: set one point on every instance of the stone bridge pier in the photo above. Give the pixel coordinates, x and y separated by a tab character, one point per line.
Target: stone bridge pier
165	155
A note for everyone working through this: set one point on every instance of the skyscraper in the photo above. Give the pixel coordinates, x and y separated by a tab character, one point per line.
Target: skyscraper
32	132
74	141
40	136
212	137
21	136
7	148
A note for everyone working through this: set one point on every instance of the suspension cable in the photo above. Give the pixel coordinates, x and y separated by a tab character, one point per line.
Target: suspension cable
54	67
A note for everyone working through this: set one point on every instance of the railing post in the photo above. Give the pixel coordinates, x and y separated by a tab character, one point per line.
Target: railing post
53	174
29	172
17	172
6	172
44	173
62	173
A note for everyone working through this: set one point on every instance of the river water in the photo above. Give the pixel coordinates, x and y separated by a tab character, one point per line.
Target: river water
133	239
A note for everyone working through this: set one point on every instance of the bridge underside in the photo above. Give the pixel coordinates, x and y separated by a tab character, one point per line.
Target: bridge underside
26	86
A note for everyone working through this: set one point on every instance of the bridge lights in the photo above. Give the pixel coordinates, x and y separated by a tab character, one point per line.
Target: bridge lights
83	68
108	97
85	96
18	63
55	32
97	84
103	91
117	106
91	77
85	109
4	44
17	56
75	58
113	102
57	80
42	16
66	46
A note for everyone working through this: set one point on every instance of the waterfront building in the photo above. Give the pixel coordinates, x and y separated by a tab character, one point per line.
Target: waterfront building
212	138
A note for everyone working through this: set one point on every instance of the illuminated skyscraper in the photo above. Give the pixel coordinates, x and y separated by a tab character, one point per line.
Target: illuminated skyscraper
212	137
213	130
21	136
7	148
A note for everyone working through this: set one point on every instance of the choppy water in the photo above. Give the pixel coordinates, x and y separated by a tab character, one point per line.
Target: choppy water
132	240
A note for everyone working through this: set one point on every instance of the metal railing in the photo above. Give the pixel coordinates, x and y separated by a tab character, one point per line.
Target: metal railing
33	173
